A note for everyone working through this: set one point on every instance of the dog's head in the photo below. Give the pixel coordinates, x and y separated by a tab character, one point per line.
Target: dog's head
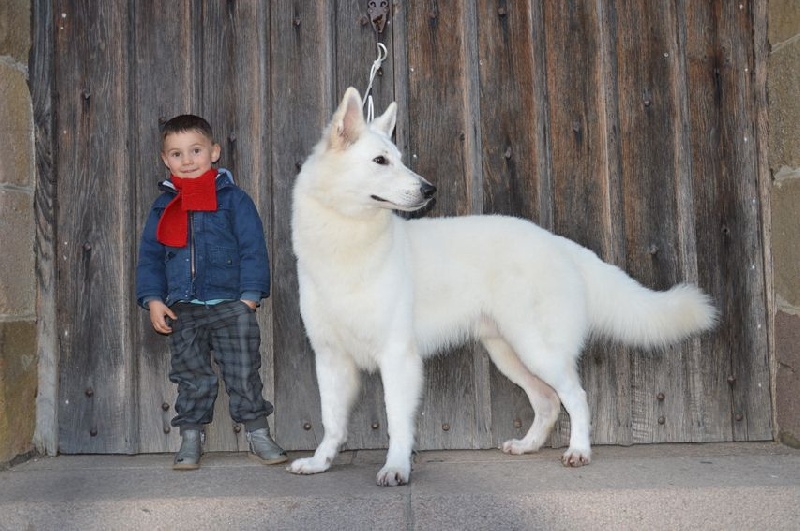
356	165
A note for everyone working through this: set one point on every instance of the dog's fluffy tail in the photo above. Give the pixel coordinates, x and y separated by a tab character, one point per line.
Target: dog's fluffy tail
620	308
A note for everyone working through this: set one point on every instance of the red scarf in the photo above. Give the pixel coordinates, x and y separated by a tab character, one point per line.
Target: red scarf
198	194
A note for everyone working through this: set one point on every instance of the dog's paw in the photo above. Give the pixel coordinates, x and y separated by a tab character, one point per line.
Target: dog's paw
308	465
517	447
391	476
575	458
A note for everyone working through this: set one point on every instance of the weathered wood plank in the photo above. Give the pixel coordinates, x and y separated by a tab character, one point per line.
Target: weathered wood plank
96	383
647	54
353	59
235	99
164	88
514	157
585	165
728	210
42	85
301	80
444	120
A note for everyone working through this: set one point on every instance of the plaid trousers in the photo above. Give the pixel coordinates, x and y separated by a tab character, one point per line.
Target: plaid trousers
229	333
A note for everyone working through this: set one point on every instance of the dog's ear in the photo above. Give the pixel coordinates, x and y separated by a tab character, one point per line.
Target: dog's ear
385	122
348	120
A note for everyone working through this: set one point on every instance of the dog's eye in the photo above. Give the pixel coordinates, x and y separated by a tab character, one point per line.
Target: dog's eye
380	160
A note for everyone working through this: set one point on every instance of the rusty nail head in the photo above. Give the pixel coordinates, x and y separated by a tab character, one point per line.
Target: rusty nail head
731	379
306	426
89	392
660	396
237	428
87	246
661	420
165	406
446	426
167	429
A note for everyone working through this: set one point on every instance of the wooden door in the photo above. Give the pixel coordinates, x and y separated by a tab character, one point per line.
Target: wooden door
634	128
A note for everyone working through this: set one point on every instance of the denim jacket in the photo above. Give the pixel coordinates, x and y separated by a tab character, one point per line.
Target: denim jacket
225	256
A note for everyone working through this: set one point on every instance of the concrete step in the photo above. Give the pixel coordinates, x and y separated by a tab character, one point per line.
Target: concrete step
675	486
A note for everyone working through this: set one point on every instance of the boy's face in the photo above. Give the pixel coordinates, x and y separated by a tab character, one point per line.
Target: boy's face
189	154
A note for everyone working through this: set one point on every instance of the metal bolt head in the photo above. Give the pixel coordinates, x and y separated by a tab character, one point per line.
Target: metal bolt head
446	426
660	397
306	426
165	406
237	428
375	425
661	420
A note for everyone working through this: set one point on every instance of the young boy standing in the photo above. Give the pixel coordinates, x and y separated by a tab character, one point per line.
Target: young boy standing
202	271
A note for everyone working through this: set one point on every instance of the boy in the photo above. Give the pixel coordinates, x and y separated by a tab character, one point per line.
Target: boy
202	271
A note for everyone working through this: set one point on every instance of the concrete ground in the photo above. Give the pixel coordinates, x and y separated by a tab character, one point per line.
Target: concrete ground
709	486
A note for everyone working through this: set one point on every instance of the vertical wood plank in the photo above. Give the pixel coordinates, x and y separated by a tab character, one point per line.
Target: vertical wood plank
166	86
648	64
444	118
42	85
96	413
585	183
727	208
354	53
301	104
514	159
234	95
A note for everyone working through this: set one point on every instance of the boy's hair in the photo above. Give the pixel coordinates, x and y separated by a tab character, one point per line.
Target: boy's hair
186	122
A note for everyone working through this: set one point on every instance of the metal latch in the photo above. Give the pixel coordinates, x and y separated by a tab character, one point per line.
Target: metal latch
378	11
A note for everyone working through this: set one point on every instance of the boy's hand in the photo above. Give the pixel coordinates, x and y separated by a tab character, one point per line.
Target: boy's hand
158	314
250	304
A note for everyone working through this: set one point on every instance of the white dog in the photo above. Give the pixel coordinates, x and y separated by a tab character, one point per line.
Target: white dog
381	292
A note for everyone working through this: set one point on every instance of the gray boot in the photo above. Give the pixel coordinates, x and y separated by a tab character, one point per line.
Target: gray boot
264	449
188	457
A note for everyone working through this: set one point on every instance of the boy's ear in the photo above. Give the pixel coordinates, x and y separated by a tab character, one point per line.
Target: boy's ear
348	120
216	150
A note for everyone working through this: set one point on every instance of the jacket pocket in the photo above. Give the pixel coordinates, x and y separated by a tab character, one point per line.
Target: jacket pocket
223	268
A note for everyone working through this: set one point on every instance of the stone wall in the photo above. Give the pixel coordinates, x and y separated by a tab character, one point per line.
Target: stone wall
783	83
18	357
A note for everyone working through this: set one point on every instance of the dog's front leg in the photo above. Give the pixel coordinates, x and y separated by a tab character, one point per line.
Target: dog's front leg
402	376
338	379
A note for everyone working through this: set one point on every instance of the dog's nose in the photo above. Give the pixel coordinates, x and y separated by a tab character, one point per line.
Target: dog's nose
428	190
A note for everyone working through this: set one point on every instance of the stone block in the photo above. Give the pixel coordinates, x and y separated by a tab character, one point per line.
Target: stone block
18	384
16	129
785	238
784	20
15	29
17	260
784	107
787	381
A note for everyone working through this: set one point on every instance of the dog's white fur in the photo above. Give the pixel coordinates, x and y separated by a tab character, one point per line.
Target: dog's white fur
381	292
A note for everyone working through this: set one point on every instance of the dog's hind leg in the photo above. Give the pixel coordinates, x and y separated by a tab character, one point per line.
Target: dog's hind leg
402	376
543	398
339	381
